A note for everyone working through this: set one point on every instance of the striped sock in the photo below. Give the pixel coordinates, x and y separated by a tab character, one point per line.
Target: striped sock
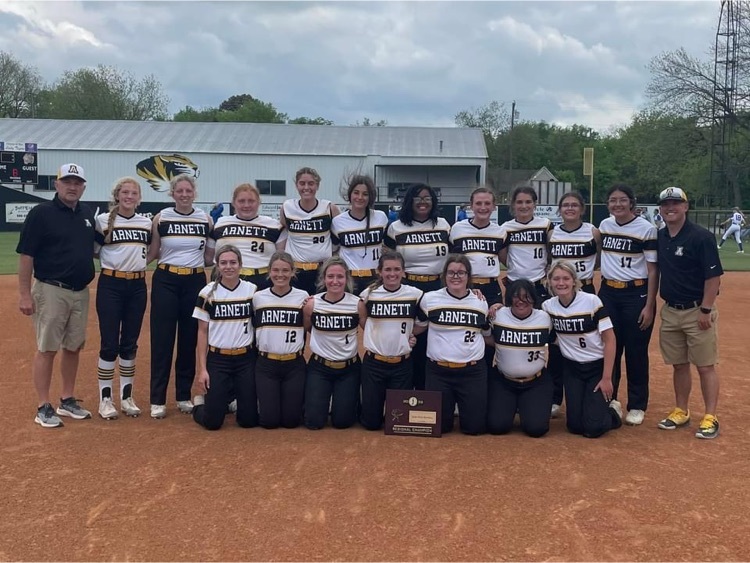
105	373
127	374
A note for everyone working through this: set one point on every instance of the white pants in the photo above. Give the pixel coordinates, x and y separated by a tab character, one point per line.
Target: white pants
735	230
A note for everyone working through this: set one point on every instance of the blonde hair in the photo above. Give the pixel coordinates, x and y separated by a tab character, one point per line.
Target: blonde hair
114	204
284	257
245	187
565	266
224	249
182	178
307	170
334	261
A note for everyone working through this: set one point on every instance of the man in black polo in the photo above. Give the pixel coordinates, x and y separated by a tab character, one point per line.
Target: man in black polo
57	246
690	277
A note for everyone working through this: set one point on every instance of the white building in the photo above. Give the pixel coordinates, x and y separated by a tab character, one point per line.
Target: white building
222	155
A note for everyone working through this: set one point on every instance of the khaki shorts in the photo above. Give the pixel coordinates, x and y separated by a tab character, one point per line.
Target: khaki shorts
682	341
60	317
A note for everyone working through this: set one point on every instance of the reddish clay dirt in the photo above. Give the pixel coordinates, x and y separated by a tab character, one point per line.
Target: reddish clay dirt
142	489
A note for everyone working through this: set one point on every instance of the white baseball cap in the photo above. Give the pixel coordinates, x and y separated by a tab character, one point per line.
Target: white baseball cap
71	170
675	194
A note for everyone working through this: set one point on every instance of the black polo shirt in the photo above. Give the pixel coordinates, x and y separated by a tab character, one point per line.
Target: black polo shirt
686	261
61	241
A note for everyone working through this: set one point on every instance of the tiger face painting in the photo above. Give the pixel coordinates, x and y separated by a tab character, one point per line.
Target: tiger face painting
159	169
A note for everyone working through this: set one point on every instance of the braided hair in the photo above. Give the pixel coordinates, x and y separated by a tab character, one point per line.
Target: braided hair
114	204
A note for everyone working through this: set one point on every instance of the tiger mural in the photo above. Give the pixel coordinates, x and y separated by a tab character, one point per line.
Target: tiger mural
159	169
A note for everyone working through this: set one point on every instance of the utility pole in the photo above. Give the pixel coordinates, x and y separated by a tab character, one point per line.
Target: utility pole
510	141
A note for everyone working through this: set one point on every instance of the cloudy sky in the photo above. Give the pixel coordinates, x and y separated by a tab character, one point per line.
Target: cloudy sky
410	63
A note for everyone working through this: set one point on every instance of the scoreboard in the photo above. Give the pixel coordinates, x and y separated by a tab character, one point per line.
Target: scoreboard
18	163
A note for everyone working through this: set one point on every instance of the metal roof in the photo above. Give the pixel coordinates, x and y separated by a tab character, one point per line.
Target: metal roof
246	138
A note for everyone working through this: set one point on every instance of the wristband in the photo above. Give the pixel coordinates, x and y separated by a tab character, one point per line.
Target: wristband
706	310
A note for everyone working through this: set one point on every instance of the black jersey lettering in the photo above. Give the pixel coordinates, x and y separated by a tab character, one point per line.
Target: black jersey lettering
183	228
361	238
131	235
230	310
334	322
520	338
527	236
317	225
458	317
391	310
278	317
488	246
579	324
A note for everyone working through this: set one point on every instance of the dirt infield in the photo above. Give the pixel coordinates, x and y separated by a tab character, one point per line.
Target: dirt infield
142	489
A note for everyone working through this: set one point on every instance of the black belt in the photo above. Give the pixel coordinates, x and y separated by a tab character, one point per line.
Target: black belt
684	306
63	285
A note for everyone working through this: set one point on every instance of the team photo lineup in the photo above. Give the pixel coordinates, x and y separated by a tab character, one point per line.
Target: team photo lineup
235	301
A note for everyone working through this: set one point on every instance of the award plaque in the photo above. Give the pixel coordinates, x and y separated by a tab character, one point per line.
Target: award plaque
412	413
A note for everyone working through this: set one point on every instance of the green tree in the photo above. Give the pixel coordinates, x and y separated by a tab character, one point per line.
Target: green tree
20	85
188	113
310	121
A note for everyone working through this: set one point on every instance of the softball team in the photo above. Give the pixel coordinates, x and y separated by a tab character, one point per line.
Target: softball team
280	336
225	354
308	221
735	222
359	232
630	280
122	242
179	237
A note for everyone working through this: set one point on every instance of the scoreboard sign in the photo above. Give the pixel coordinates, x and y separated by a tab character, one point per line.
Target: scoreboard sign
18	163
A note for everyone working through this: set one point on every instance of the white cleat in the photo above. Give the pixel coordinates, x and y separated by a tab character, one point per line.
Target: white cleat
158	411
129	407
107	409
635	417
231	407
555	411
615	405
186	407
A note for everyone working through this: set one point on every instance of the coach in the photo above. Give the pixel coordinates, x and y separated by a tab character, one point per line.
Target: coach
57	245
690	277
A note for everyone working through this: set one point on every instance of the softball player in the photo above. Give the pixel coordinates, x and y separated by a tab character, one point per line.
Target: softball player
421	237
525	247
736	221
308	221
359	232
578	243
179	236
630	280
280	336
457	321
333	371
225	355
390	310
587	342
122	241
520	383
257	236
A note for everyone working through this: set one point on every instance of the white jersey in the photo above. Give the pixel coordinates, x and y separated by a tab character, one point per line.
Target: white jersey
626	248
424	247
127	249
255	238
737	218
577	247
334	327
229	314
456	326
481	245
521	344
309	238
579	326
527	248
359	244
279	322
390	319
183	237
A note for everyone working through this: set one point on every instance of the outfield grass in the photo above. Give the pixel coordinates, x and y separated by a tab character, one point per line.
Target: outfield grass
730	260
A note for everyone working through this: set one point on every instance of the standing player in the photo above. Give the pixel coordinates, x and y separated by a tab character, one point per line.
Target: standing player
122	241
735	222
577	242
179	243
280	337
391	308
422	238
526	236
520	383
630	280
308	221
359	232
455	347
225	355
333	371
587	342
256	236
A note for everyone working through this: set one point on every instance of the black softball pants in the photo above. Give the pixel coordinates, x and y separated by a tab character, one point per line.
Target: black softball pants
624	306
532	400
419	351
377	377
466	386
306	280
281	390
173	298
225	373
120	306
338	388
586	412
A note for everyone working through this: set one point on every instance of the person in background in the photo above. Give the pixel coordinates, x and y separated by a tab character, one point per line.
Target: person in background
462	215
56	246
217	211
735	222
690	278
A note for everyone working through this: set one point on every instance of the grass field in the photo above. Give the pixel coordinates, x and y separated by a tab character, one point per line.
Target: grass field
730	260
